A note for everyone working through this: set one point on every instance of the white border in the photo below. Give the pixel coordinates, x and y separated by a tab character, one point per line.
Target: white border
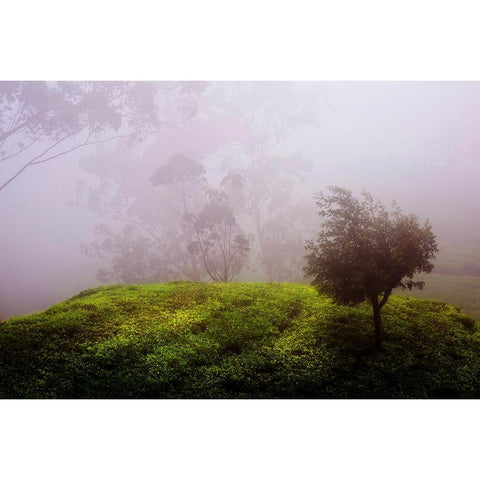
240	40
247	40
239	439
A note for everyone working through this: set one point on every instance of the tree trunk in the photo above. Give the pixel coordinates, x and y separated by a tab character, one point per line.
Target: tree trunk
377	321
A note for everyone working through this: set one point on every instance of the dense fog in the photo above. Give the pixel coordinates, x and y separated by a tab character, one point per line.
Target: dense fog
111	182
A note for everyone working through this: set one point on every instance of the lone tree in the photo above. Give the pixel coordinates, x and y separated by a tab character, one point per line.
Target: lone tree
215	240
364	251
222	245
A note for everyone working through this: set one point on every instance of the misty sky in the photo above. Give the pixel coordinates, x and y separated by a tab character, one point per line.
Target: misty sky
414	142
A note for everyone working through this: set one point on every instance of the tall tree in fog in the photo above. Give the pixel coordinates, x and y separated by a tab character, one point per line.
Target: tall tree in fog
42	121
266	114
279	222
219	240
185	178
207	219
180	229
150	209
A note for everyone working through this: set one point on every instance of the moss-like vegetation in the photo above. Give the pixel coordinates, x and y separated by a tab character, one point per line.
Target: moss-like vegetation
193	340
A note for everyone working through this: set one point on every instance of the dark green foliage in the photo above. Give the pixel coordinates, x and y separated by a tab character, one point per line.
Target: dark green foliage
194	340
364	250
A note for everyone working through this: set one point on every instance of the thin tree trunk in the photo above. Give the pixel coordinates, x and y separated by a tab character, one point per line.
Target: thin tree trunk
377	321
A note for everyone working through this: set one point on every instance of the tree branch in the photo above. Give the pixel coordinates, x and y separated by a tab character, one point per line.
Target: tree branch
138	224
18	152
386	294
31	162
84	144
36	160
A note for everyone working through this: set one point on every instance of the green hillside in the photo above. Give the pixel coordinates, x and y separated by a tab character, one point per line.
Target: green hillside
462	291
195	340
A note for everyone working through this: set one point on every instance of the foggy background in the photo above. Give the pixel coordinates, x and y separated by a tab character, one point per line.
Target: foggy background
414	142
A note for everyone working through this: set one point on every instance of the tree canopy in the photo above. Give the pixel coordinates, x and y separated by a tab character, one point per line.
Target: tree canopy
364	251
41	121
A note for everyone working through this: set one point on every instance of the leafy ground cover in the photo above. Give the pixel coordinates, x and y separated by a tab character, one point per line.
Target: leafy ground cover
236	340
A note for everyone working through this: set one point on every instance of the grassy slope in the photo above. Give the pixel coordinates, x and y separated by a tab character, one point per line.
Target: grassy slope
191	340
463	291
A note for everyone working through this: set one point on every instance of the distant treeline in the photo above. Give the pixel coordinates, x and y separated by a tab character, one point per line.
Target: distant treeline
460	290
